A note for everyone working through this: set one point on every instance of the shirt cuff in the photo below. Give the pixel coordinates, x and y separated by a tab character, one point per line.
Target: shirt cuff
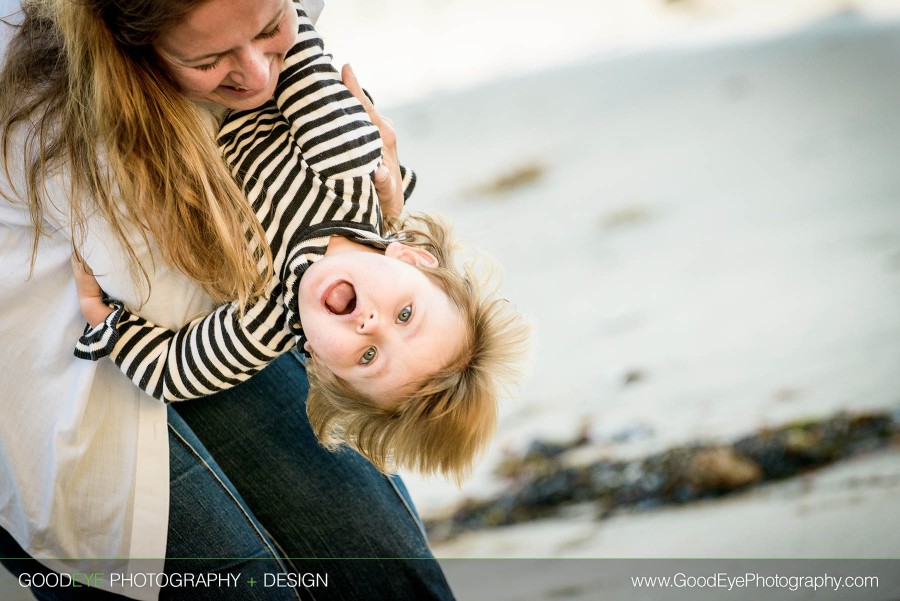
98	341
408	179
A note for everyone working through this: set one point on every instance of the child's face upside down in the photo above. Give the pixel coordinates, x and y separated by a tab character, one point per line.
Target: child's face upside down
378	321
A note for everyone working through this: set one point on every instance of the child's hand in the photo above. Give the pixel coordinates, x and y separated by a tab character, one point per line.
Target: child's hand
90	296
388	183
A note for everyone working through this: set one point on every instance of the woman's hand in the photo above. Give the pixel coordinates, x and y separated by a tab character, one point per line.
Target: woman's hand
90	296
388	183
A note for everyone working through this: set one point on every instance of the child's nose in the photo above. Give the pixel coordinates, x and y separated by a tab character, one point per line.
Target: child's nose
369	323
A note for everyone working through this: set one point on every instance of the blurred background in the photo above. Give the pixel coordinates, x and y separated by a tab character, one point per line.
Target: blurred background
697	204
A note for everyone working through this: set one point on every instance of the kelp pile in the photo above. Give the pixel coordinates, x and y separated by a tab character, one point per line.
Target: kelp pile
541	481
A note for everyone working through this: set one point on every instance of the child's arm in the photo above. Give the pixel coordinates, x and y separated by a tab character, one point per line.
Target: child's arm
311	93
314	101
212	353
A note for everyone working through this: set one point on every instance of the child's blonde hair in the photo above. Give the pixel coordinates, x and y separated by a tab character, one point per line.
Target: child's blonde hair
448	421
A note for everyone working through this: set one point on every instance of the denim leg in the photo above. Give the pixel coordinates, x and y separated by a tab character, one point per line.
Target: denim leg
207	521
211	530
330	512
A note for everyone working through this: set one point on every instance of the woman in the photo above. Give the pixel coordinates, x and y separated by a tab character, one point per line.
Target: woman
113	104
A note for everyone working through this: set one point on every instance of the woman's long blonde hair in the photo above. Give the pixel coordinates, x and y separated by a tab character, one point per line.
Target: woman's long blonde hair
81	77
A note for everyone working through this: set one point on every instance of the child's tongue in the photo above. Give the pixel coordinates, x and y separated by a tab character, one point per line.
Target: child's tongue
341	299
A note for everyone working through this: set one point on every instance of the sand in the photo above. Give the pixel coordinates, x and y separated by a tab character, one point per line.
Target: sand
721	221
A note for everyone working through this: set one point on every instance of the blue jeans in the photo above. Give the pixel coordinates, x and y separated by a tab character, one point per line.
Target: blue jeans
252	490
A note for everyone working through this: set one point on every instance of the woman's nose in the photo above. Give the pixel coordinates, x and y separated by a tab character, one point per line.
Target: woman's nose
252	70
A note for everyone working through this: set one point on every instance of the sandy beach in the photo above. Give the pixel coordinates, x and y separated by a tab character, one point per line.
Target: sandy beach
720	222
706	236
708	241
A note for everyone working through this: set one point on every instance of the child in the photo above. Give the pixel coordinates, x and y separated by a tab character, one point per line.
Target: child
404	349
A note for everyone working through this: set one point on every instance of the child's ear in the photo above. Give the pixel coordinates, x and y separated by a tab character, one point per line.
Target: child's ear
410	254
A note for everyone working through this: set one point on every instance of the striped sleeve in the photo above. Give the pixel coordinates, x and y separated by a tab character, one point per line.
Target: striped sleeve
209	354
337	138
335	135
98	341
408	182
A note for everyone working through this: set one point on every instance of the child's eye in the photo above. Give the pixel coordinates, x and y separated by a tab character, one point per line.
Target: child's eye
404	315
369	355
209	66
269	34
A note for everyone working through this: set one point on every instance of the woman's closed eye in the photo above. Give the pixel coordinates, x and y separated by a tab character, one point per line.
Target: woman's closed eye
368	355
405	315
209	66
262	36
270	34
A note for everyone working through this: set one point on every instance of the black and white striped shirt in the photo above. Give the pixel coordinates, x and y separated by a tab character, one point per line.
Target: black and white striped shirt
305	161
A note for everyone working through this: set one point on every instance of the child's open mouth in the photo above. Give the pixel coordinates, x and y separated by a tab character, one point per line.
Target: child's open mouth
340	298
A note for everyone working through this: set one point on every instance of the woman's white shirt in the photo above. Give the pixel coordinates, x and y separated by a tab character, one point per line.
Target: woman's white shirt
83	454
84	459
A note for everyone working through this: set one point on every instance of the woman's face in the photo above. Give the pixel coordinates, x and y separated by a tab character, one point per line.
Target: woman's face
229	52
